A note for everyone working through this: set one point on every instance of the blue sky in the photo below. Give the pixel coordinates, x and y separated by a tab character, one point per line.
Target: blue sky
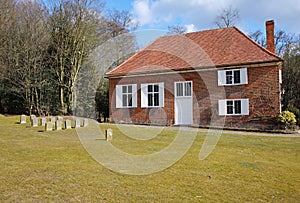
200	14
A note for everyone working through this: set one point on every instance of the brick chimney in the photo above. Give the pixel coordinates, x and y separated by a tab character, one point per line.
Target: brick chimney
270	36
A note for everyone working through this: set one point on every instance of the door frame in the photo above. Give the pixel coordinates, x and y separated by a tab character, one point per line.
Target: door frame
184	96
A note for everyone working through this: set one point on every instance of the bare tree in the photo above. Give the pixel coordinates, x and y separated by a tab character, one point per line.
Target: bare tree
24	41
75	32
119	22
227	17
176	29
282	40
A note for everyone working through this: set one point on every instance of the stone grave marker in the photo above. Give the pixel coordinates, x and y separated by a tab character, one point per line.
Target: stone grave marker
68	124
32	116
34	122
49	126
58	125
43	121
77	123
85	122
22	119
108	134
52	120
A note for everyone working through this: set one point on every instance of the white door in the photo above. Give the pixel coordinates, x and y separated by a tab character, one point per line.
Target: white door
183	103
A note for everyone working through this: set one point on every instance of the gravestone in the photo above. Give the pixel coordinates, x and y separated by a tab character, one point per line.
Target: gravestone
49	126
43	121
52	120
108	134
22	119
68	124
32	116
77	123
85	122
34	122
58	125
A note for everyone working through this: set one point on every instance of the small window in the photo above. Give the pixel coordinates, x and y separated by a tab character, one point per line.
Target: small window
126	96
232	77
234	107
228	77
152	95
183	89
230	107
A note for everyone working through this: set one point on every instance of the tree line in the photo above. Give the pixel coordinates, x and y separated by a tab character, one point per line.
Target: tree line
44	46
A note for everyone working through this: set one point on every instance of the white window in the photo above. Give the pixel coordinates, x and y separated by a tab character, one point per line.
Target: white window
152	95
232	77
126	96
233	107
183	89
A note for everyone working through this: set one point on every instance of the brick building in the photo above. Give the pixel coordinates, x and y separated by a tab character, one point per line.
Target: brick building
210	78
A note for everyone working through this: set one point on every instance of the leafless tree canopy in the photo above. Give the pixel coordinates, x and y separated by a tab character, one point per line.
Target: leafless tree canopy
227	17
176	29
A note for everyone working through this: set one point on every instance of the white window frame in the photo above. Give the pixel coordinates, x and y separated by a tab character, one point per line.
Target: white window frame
120	93
223	107
280	76
145	93
222	74
184	89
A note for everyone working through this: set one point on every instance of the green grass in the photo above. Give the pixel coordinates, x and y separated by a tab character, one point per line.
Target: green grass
53	166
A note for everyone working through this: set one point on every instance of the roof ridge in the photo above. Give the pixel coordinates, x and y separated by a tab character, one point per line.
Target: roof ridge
257	44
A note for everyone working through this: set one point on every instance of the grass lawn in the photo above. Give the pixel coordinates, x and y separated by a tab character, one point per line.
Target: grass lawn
54	167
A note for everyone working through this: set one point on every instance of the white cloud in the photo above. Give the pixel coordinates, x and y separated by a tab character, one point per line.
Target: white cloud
142	11
202	13
190	28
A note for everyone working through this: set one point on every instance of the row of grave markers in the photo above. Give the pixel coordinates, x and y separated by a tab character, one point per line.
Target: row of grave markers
55	122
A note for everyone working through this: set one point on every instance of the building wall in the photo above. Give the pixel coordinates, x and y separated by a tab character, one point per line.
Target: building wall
262	90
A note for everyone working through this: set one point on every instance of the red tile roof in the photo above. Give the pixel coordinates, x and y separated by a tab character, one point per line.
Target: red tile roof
211	48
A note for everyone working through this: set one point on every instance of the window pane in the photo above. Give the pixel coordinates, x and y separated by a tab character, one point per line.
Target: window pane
188	89
228	77
237	107
150	88
156	99
229	107
179	89
150	101
124	100
156	88
237	76
129	88
124	89
129	99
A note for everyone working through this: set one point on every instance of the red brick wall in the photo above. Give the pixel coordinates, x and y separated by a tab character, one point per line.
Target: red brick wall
262	90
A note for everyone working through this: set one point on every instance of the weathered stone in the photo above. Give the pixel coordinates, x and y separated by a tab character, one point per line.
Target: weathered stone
77	123
43	121
68	124
58	125
49	126
85	122
22	119
34	122
52	120
108	134
32	116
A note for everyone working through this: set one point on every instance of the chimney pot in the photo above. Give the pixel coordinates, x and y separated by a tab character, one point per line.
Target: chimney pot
270	36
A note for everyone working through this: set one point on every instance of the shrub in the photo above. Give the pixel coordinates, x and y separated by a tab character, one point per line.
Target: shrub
294	110
287	118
